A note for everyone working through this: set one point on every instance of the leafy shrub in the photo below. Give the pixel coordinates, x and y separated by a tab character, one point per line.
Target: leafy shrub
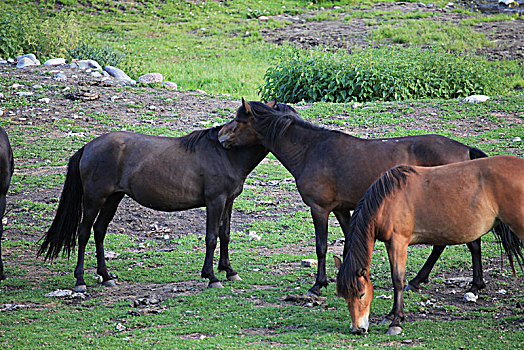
23	30
386	73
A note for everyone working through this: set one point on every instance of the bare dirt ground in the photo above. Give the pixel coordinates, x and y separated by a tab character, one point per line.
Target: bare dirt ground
187	111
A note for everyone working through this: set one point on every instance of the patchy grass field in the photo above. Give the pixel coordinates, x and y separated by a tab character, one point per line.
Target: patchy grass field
160	300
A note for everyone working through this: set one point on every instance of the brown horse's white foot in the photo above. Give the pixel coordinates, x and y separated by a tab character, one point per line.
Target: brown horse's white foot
394	330
109	283
215	285
82	288
234	278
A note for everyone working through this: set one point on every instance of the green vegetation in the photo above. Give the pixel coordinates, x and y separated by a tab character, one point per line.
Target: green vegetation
385	74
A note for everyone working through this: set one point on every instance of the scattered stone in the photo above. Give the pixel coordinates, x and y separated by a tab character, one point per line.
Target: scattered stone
11	307
60	77
476	98
119	75
111	254
509	3
85	64
263	18
55	62
25	62
120	327
59	293
96	74
31	56
502	291
517	139
82	95
37	86
253	236
44	100
198	91
152	108
1	95
24	93
469	297
308	263
356	105
384	296
150	78
170	85
16	86
305	300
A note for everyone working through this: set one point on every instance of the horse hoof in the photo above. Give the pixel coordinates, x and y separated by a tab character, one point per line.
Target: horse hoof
82	288
394	330
410	288
311	293
109	283
234	278
216	285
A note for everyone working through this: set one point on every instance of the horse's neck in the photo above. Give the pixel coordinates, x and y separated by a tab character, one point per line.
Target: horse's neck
293	147
248	158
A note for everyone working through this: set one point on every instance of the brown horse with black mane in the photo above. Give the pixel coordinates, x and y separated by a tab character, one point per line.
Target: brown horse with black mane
6	171
332	169
161	173
448	204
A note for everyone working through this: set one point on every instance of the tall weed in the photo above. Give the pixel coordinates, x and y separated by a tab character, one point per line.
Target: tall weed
385	73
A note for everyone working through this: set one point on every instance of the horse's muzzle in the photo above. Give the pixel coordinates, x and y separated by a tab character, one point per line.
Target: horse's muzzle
359	331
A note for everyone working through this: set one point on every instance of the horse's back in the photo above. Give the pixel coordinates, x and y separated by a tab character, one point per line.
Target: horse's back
461	201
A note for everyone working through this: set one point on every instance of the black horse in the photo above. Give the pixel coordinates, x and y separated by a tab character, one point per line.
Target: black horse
162	173
6	171
333	170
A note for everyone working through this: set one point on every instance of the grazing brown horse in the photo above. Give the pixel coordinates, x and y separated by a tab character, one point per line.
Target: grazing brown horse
6	171
332	169
448	204
162	173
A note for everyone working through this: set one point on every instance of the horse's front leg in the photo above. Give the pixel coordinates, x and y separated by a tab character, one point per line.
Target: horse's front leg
214	209
397	253
224	236
320	221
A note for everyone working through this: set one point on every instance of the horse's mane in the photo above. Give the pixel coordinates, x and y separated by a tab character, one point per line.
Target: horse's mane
190	140
362	226
276	121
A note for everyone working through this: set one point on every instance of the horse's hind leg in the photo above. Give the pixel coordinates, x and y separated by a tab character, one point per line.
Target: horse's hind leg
478	279
224	236
2	211
423	275
100	228
84	231
320	221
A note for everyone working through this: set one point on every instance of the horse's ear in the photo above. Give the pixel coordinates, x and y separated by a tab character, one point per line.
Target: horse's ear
338	262
361	272
272	103
247	106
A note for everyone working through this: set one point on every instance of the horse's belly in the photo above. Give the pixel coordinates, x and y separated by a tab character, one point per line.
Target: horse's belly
450	233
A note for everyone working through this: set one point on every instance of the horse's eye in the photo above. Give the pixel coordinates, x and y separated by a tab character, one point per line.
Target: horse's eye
361	295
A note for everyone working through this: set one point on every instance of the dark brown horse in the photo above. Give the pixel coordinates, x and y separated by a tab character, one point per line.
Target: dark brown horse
6	171
162	173
448	204
332	169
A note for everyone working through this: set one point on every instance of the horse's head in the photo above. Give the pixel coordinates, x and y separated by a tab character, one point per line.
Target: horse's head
358	292
240	131
248	127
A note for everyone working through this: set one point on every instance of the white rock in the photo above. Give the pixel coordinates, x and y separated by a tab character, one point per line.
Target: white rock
119	75
96	74
253	236
501	291
198	91
509	3
31	56
476	98
16	86
170	85
384	296
44	100
517	139
120	327
24	93
59	293
1	95
150	78
55	62
25	62
60	77
37	86
85	64
470	298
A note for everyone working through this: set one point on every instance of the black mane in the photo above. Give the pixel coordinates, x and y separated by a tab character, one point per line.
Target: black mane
190	140
361	227
276	121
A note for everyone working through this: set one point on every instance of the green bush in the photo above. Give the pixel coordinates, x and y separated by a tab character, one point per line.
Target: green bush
103	55
23	30
385	73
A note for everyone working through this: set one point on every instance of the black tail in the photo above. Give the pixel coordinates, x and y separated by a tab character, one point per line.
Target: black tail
512	244
475	153
63	231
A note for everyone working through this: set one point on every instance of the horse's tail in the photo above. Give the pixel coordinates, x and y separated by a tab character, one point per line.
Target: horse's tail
512	244
62	234
475	153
